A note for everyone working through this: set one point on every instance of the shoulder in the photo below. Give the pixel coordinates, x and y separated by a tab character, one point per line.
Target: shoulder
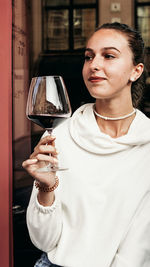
141	128
142	117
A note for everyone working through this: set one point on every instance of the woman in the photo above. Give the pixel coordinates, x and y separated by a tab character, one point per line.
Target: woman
99	214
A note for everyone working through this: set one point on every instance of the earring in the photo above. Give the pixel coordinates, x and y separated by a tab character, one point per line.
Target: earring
132	79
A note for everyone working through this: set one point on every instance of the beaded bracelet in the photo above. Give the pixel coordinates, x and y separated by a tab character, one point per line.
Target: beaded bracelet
47	188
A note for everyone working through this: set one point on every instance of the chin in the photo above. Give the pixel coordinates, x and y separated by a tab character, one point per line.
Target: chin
98	95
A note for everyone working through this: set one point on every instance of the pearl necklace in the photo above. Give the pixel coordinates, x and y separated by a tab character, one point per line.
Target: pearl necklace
114	119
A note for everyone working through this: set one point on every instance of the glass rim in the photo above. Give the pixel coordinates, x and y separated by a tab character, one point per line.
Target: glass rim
42	76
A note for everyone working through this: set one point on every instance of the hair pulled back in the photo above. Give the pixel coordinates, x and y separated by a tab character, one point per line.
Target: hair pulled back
136	45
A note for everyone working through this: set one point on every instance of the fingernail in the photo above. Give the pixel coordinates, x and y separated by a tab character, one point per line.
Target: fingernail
55	161
57	152
53	137
34	160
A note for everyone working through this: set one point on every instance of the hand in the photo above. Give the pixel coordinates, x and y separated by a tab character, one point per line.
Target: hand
44	153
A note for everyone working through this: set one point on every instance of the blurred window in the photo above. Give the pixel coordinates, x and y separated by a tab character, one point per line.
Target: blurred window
143	20
84	24
142	1
68	24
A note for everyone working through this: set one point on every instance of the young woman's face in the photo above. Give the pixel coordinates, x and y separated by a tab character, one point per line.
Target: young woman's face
108	65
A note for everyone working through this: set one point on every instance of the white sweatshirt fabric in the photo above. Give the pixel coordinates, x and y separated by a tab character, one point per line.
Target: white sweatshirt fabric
101	213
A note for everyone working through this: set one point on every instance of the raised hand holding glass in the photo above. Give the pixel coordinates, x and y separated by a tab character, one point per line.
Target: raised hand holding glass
48	105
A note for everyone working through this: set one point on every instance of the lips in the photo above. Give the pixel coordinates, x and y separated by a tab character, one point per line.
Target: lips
95	79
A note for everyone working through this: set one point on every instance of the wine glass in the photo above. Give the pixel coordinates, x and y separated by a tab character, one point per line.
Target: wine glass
48	105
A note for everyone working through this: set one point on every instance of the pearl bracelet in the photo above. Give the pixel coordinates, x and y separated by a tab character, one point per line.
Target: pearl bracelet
47	188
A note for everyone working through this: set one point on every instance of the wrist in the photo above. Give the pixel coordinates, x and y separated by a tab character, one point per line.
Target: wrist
46	198
44	188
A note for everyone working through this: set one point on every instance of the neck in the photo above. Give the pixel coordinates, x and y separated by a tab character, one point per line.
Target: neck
114	118
112	127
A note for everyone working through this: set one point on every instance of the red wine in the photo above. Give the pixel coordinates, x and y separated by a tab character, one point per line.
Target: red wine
47	122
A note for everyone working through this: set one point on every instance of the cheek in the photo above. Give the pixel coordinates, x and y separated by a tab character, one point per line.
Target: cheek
121	72
84	72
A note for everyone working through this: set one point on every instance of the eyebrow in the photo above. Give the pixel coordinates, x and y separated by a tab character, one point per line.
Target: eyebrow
105	48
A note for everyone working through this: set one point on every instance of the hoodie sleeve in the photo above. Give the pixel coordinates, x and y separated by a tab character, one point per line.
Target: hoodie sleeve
135	248
44	223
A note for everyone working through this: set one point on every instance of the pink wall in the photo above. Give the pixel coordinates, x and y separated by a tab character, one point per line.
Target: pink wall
5	133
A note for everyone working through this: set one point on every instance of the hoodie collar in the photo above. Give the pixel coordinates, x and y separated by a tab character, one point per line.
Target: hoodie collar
86	133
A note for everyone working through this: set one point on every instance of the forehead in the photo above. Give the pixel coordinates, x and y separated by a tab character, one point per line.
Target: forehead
108	38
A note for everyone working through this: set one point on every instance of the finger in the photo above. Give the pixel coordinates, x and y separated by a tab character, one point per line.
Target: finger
53	143
47	139
28	162
47	149
43	157
45	177
44	149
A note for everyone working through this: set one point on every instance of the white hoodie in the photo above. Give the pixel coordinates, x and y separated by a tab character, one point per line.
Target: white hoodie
101	215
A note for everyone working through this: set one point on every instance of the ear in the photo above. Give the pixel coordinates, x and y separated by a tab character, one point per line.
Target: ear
137	72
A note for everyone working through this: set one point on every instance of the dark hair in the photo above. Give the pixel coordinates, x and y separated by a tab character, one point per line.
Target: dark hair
136	45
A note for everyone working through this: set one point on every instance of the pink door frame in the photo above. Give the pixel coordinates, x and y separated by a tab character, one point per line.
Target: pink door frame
6	248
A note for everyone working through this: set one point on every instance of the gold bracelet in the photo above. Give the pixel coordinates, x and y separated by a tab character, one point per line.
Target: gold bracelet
47	188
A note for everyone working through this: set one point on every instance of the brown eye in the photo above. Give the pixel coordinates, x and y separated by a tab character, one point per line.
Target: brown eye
88	58
109	56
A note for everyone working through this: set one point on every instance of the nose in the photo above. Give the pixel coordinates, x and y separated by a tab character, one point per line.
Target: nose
96	64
